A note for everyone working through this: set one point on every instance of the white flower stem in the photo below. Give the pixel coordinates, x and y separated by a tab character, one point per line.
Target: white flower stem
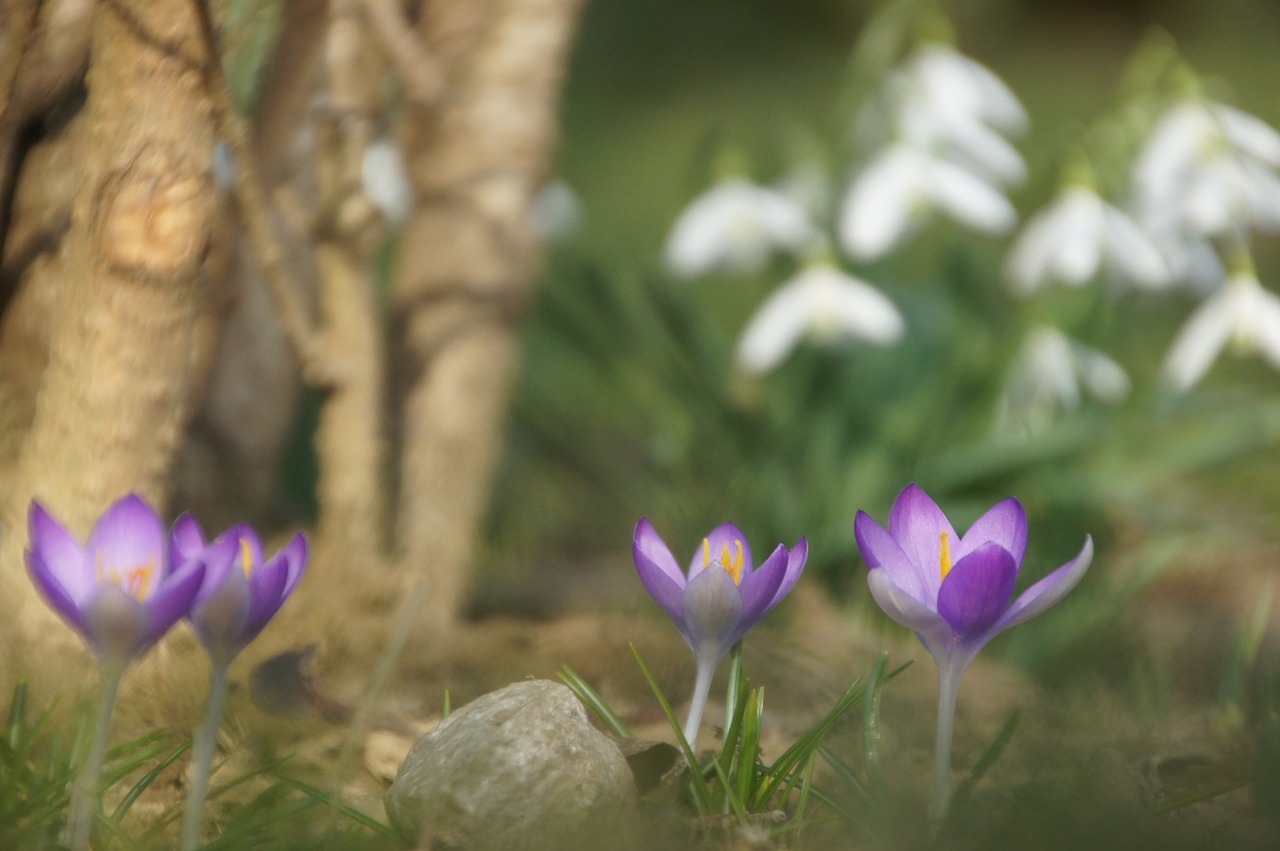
701	688
84	797
202	753
940	792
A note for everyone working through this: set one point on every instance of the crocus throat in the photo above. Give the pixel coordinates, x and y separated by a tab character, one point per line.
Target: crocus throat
246	557
134	580
944	555
732	564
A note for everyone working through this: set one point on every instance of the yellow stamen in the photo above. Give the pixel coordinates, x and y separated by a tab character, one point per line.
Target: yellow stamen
734	565
944	555
246	557
134	580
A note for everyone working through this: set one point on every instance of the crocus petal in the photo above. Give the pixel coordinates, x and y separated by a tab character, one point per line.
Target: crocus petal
267	595
1004	524
760	587
881	552
186	539
219	559
172	600
647	542
667	592
977	590
725	536
219	619
117	625
796	557
295	555
712	612
917	524
61	555
1047	591
1200	340
932	628
55	593
129	534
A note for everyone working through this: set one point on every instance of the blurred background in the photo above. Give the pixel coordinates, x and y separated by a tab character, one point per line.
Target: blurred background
630	403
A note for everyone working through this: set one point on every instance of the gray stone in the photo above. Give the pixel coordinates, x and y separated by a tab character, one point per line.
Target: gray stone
520	768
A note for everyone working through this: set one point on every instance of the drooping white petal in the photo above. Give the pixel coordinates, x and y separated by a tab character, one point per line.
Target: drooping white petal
734	227
1133	252
1250	134
877	210
821	302
969	199
1266	319
1099	374
775	329
1201	338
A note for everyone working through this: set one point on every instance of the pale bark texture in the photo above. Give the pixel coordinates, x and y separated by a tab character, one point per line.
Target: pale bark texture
175	268
477	157
131	331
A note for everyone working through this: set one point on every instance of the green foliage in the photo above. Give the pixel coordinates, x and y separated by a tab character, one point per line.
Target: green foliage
38	765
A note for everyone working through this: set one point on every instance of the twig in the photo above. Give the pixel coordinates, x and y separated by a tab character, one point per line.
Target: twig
254	210
423	76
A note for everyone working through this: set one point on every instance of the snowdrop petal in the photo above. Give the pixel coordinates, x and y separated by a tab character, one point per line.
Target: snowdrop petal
1133	252
1200	340
775	328
969	199
877	210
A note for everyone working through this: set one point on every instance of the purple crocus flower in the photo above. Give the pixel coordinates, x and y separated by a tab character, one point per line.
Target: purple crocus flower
119	590
955	591
242	590
719	599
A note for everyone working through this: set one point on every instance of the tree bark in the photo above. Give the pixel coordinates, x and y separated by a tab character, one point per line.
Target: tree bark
469	255
134	330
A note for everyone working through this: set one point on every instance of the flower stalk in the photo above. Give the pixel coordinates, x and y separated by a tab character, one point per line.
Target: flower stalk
84	796
202	753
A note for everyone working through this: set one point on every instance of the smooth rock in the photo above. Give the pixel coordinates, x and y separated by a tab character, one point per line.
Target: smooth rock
520	768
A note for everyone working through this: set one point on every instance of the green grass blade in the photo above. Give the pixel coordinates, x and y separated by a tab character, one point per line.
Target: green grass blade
363	819
146	781
805	787
16	728
750	750
734	801
593	701
871	727
989	757
701	797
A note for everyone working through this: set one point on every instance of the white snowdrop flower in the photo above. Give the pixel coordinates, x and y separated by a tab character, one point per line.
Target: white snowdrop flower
899	189
734	227
385	180
1241	313
1074	237
963	88
1209	169
556	212
1050	375
820	303
941	101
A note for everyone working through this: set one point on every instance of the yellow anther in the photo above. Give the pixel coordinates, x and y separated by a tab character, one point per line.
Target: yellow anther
133	580
246	557
706	553
944	555
734	564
